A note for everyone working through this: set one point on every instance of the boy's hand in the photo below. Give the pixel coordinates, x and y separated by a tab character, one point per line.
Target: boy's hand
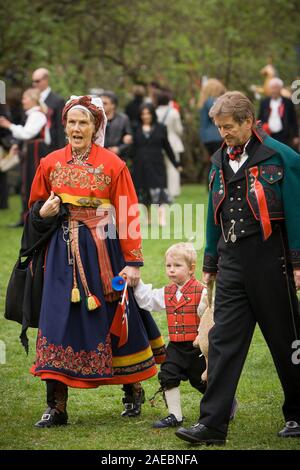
196	342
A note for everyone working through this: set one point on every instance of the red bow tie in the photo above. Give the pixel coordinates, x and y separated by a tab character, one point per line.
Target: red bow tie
234	153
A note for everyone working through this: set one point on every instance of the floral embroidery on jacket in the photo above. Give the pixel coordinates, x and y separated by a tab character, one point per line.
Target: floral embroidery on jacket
81	178
98	362
138	254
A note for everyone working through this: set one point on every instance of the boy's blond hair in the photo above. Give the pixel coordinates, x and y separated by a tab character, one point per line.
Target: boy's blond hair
183	250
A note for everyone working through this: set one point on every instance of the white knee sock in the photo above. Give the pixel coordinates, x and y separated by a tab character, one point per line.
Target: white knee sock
173	402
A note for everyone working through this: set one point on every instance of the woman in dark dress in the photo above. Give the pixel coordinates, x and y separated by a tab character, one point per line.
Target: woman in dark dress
149	169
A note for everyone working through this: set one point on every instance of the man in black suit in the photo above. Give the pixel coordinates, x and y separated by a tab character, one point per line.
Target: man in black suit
278	115
55	104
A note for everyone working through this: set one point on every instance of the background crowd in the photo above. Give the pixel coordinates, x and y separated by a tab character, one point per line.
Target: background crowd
151	132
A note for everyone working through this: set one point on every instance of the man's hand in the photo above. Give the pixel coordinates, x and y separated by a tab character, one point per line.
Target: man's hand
127	139
14	150
208	277
131	274
51	206
297	278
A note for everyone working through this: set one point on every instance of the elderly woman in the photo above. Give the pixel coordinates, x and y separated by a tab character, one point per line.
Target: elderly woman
85	338
34	137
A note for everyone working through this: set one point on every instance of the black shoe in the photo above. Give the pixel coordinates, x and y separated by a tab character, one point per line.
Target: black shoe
169	422
291	429
17	224
52	417
133	404
200	434
234	408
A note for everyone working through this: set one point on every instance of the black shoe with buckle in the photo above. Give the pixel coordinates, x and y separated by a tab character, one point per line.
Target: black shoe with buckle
133	404
169	422
52	417
201	434
291	429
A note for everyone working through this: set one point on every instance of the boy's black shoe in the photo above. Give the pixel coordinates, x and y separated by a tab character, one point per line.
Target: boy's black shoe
168	422
52	417
200	434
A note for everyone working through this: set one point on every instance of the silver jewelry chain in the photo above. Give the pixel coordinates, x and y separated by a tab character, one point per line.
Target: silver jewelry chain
230	233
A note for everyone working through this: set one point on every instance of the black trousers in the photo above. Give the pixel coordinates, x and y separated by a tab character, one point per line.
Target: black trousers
254	285
183	362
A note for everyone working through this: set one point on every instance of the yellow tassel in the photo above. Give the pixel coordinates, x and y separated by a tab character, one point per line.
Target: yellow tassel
92	302
75	296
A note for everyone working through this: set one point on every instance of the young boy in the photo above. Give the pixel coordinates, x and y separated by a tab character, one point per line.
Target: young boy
181	300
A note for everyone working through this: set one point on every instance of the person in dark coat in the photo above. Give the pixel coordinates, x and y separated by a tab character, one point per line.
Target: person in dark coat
132	109
278	115
118	135
149	169
253	251
55	104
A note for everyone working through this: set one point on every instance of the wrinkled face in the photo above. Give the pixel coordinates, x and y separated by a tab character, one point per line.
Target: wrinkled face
79	129
232	131
146	116
178	270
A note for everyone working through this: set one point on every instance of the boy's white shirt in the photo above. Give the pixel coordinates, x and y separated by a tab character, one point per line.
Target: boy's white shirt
154	299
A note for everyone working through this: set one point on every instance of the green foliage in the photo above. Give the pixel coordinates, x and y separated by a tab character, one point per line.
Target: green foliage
95	421
112	44
94	43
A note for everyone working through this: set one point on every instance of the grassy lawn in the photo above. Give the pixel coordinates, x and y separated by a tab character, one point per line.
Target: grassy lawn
95	421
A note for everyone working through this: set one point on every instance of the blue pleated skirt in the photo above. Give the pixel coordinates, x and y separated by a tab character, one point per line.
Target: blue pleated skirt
74	345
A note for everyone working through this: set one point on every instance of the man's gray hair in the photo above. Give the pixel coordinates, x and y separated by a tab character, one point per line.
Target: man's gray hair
235	104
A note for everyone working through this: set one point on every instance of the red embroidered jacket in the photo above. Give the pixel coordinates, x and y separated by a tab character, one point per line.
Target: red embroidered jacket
104	181
182	317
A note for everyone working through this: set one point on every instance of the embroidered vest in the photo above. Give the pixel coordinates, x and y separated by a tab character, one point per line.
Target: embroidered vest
182	317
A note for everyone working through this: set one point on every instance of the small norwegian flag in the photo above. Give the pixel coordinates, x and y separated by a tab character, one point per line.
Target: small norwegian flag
119	326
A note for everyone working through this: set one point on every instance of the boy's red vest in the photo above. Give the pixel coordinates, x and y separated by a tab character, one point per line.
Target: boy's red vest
183	320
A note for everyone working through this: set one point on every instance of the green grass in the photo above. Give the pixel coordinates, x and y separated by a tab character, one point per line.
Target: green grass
95	421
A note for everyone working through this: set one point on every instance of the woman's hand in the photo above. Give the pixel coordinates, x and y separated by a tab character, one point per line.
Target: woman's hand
131	274
4	122
51	206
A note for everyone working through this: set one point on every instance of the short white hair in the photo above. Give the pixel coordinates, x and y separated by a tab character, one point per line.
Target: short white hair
275	81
